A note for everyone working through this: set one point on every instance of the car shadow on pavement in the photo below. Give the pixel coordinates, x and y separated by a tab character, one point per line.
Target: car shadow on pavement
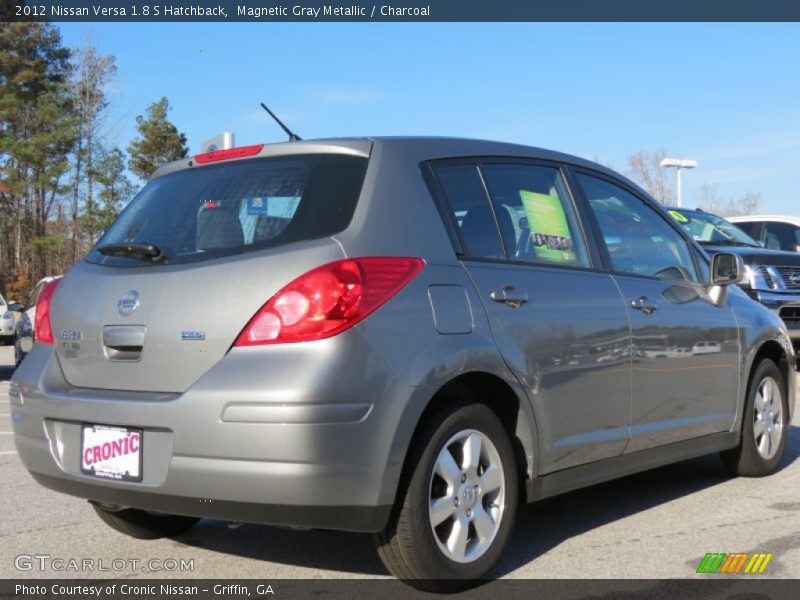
546	524
328	550
540	527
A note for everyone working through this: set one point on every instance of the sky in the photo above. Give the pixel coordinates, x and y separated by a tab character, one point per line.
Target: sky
725	95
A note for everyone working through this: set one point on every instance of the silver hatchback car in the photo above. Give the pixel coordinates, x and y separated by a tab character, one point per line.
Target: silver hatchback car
411	337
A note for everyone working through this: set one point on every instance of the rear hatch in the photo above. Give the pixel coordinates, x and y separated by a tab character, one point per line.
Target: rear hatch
169	287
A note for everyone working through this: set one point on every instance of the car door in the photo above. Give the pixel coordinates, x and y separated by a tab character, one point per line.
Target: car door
685	348
559	324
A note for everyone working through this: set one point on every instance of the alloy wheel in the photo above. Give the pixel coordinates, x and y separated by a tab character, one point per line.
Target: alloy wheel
467	496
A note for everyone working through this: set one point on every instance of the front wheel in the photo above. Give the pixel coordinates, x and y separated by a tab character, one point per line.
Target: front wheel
764	425
455	515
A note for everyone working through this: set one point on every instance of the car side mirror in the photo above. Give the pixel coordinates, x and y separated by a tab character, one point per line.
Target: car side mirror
797	248
727	268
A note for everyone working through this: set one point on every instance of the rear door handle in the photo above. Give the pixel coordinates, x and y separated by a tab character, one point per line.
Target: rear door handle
644	304
510	296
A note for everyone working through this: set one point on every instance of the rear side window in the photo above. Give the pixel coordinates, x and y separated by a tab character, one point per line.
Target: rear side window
536	216
467	198
232	208
529	208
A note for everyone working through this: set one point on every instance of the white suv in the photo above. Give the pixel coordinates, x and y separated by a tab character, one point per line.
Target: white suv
7	320
774	231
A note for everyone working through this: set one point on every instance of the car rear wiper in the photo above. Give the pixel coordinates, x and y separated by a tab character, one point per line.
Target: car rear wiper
141	251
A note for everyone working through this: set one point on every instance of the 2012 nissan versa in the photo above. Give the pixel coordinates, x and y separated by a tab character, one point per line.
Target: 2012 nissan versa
401	336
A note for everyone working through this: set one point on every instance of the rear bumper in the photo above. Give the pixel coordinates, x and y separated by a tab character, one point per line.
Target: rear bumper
345	518
306	442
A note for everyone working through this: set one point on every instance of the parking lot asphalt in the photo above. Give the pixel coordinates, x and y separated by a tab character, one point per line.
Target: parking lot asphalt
657	524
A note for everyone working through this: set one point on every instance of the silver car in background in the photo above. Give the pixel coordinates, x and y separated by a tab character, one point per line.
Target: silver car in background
411	336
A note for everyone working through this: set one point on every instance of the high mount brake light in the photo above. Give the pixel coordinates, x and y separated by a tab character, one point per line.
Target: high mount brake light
328	300
240	152
43	329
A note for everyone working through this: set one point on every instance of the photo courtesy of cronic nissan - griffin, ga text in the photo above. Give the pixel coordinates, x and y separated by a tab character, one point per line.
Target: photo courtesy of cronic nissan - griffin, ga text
410	338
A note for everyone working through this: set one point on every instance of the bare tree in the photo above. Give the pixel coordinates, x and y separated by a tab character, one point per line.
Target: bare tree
92	73
748	204
709	200
645	169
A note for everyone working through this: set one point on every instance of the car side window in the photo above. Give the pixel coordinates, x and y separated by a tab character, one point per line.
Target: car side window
469	204
781	236
749	227
639	240
35	295
535	213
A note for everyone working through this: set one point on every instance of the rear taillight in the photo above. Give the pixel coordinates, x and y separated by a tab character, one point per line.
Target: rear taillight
43	329
328	300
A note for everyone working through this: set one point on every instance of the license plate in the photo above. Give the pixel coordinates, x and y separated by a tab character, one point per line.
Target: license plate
111	452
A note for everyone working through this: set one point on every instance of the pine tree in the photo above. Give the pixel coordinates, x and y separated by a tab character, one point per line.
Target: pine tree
37	134
159	141
115	190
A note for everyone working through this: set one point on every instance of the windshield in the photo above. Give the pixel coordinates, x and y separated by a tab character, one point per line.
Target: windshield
711	229
232	208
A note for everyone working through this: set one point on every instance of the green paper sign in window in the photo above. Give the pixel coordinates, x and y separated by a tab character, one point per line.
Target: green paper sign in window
548	226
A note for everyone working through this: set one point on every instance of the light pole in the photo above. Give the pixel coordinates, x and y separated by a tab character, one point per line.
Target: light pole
678	164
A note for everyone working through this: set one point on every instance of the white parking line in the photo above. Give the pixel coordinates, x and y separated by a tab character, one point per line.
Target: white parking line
8	452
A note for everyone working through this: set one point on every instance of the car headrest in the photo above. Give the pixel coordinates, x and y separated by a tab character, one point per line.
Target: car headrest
480	231
218	228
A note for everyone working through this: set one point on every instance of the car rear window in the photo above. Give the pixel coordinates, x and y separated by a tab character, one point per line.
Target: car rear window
236	207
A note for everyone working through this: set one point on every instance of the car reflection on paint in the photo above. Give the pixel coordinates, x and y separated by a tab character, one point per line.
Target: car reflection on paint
706	348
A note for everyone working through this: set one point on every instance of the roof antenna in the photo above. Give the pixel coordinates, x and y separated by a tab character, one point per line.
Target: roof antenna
293	137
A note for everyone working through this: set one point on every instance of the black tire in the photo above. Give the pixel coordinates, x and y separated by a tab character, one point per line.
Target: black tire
144	525
745	460
407	546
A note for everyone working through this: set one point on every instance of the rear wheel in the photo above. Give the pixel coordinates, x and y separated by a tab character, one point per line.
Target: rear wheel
764	425
456	511
144	525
